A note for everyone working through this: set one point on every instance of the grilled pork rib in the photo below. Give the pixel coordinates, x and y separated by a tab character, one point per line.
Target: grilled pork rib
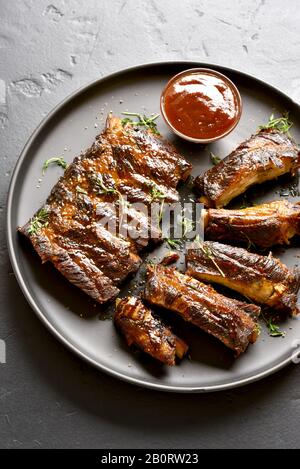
264	156
263	279
231	321
142	329
262	225
124	165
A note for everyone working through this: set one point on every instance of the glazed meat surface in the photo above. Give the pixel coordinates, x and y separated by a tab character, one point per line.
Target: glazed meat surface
170	257
148	333
124	165
262	225
265	156
263	279
231	321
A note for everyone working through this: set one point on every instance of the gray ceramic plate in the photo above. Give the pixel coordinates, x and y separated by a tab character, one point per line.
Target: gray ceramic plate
70	315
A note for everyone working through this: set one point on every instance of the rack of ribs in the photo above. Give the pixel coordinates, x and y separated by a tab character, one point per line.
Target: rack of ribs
124	165
263	279
232	322
141	328
266	155
263	225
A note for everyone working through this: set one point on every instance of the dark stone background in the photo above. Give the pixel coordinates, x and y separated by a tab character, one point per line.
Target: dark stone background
48	397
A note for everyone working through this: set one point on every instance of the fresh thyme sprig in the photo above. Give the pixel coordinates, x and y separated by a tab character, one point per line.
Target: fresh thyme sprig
173	243
282	124
273	329
209	254
102	188
215	159
59	161
98	181
143	121
156	193
79	190
39	221
250	243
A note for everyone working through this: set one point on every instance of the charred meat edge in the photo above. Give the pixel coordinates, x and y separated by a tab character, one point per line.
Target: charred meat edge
266	155
261	226
141	328
263	279
86	254
232	322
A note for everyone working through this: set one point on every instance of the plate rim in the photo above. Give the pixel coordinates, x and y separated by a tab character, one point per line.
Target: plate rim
21	281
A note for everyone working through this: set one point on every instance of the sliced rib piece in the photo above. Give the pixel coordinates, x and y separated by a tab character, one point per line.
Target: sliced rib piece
231	321
263	279
98	183
262	225
265	156
141	328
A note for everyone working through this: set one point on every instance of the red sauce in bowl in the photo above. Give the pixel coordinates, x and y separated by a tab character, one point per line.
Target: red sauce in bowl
201	104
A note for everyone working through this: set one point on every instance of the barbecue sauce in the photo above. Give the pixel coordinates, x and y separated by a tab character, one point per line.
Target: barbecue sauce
201	105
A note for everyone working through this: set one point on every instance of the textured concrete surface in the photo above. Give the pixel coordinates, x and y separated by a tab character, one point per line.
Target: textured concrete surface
48	397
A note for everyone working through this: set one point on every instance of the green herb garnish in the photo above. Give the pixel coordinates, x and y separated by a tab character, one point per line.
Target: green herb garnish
143	121
209	254
282	124
214	158
102	188
156	193
59	161
250	243
100	185
173	243
38	221
79	190
273	329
